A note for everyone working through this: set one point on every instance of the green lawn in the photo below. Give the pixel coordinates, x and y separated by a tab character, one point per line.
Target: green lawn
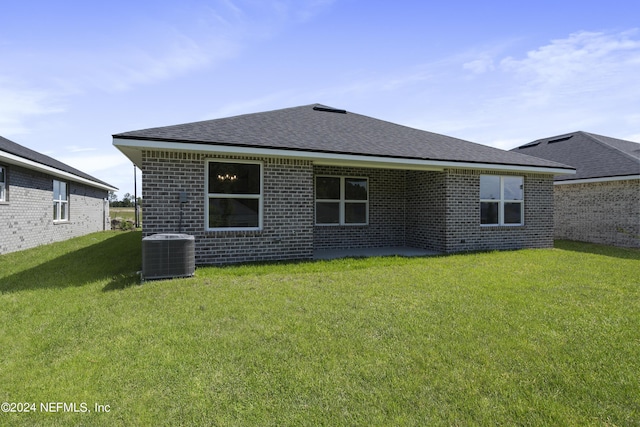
124	213
531	337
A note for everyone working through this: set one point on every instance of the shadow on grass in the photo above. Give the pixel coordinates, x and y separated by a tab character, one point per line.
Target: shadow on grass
593	248
115	259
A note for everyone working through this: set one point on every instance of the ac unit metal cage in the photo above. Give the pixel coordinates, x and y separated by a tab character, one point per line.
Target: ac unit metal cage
167	256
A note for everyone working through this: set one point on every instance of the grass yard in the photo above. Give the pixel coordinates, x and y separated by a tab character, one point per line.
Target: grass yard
531	337
124	213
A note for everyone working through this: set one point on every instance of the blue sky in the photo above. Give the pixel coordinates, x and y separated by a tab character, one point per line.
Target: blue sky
500	73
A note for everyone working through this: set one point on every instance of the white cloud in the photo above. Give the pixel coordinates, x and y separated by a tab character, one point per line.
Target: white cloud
586	81
94	163
584	62
18	103
78	149
137	65
479	66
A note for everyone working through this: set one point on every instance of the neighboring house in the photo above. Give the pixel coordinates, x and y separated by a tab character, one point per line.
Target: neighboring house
287	183
601	202
43	200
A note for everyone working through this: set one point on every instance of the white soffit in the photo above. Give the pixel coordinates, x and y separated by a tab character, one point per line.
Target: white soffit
29	164
593	180
132	149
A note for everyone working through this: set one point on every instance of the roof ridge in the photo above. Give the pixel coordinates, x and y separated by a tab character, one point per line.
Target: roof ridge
223	118
43	159
546	139
596	138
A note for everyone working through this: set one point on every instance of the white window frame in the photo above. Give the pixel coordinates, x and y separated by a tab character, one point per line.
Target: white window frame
501	202
342	202
259	197
60	202
3	184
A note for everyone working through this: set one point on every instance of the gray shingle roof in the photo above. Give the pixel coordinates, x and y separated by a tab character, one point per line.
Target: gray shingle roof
593	156
16	149
318	128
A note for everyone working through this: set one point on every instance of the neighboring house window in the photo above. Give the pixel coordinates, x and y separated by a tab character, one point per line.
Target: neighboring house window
501	200
60	201
3	184
342	200
234	195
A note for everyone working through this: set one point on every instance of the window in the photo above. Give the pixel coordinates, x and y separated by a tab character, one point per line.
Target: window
3	184
60	201
234	195
342	200
501	200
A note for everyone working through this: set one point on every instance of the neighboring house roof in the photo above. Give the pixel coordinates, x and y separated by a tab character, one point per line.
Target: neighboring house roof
327	132
15	153
594	156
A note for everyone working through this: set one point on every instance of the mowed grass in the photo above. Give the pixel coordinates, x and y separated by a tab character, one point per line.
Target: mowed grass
530	337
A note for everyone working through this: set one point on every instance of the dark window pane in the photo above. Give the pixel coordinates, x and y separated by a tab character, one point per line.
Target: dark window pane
355	189
55	211
489	213
327	213
355	213
489	187
2	175
513	213
233	213
234	178
327	188
513	188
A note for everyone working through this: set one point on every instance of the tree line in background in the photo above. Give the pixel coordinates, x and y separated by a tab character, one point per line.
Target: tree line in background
128	201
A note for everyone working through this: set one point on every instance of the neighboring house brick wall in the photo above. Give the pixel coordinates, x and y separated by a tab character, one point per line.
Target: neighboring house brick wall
464	232
26	218
602	212
287	232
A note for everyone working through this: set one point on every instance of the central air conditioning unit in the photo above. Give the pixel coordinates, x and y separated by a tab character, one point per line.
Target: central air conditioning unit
167	256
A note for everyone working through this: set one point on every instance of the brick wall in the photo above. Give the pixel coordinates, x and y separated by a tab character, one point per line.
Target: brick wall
426	210
26	218
441	213
464	232
602	212
431	210
288	208
386	212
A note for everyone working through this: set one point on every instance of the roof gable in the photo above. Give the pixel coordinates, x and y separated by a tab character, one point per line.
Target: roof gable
593	156
15	149
321	129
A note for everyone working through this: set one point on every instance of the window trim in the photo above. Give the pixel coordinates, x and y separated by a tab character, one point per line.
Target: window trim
58	203
341	202
208	196
501	203
3	184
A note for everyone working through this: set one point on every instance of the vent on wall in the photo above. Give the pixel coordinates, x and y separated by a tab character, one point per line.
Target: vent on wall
166	256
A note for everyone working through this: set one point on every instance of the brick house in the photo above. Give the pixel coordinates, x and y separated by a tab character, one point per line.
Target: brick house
286	184
43	200
601	202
